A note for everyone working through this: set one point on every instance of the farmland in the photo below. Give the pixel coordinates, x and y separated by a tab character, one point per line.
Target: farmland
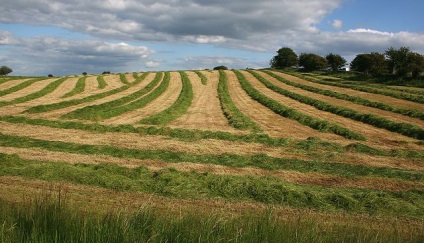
256	154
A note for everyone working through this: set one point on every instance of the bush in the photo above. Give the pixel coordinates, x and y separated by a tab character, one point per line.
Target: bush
220	68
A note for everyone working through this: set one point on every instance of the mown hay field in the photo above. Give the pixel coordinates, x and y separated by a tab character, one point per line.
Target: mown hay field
331	154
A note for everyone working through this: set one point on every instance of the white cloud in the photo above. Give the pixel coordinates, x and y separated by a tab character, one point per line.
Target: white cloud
152	64
337	23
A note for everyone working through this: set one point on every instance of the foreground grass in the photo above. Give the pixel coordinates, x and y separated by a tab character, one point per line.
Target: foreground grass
195	185
53	219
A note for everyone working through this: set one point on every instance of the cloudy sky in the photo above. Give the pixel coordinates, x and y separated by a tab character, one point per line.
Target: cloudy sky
40	37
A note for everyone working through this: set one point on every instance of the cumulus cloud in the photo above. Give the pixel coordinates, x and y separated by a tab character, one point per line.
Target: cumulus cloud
152	64
55	55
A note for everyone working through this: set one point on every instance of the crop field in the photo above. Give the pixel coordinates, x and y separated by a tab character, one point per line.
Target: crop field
234	155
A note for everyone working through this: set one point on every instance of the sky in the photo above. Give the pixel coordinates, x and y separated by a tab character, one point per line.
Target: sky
68	37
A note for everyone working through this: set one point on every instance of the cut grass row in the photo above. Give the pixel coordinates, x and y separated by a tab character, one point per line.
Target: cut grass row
357	100
123	79
234	116
261	161
46	90
278	108
406	129
51	218
101	82
194	185
177	109
20	86
115	107
368	89
202	77
310	144
79	87
68	103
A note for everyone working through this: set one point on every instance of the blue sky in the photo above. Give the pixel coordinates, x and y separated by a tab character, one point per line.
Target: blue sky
68	37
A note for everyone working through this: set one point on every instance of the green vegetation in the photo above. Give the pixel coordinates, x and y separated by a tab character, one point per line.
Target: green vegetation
202	77
234	116
368	89
46	90
79	87
123	79
49	218
371	119
118	106
20	86
101	81
64	104
176	110
278	108
232	160
357	100
173	183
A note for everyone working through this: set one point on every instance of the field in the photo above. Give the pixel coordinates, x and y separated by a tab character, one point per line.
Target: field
235	155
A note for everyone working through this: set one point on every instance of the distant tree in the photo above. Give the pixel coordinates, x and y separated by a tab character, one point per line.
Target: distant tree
84	73
5	70
220	68
285	58
106	72
398	60
335	62
369	64
50	75
312	61
415	64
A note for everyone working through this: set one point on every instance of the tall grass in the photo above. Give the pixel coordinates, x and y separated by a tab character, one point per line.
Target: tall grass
177	109
46	90
278	108
407	129
357	100
79	87
68	103
54	219
234	116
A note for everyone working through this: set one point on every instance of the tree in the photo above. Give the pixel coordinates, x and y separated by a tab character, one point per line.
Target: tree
398	60
220	68
5	70
415	64
312	61
84	73
370	64
285	58
335	61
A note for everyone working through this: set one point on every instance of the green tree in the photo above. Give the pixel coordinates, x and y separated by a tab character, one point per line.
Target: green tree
371	64
285	58
335	61
220	68
312	61
415	64
398	60
5	70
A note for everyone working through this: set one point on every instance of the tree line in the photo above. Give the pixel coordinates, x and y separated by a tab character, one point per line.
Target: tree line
401	62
